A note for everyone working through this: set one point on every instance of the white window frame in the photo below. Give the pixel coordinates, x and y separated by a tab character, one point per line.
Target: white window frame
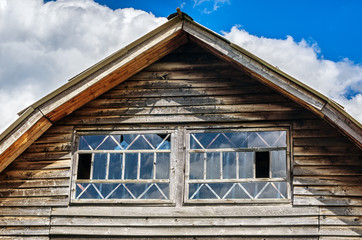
254	179
171	181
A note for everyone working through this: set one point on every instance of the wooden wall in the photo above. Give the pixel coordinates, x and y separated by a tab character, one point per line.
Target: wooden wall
188	88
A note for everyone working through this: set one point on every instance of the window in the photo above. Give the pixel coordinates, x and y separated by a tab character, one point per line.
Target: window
124	167
237	166
217	166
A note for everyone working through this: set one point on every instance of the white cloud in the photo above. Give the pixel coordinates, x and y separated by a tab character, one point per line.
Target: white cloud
212	5
43	45
301	60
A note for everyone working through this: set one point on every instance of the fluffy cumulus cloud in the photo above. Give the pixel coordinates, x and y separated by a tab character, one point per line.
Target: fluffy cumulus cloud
43	45
340	81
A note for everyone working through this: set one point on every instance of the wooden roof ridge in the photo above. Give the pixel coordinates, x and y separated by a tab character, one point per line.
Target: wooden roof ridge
121	65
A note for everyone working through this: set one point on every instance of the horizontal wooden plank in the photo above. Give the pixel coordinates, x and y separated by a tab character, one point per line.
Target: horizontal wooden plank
188	238
338	238
327	180
315	133
308	124
41	156
191	74
326	201
350	231
197	211
186	231
120	93
184	65
184	110
326	151
341	211
184	222
34	192
25	237
329	190
35	174
24	221
21	231
59	129
328	170
50	147
182	101
55	137
39	165
34	201
25	211
35	183
327	160
322	141
341	220
230	117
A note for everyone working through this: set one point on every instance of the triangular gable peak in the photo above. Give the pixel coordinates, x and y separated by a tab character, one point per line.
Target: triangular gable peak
123	64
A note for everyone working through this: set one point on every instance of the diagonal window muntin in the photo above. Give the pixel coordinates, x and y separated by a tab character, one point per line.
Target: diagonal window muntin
223	164
123	166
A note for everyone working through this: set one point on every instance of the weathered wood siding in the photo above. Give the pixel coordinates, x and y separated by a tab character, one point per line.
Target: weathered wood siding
194	89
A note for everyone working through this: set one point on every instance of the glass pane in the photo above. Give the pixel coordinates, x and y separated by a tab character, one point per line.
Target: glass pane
90	142
115	166
206	140
166	144
201	191
162	165
239	139
148	190
274	190
278	164
109	143
120	192
157	140
236	191
281	140
213	165
229	165
155	192
99	165
255	140
267	139
86	191
146	171
196	165
253	188
246	164
131	164
194	144
220	189
137	142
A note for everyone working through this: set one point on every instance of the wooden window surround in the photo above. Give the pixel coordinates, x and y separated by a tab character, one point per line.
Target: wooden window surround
213	166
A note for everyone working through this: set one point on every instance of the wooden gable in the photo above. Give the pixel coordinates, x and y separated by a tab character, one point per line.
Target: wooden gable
191	88
183	77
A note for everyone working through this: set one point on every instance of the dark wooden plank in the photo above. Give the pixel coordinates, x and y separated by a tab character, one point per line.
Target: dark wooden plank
327	170
34	183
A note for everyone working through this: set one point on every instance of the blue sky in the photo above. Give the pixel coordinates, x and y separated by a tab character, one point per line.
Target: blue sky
45	43
335	25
